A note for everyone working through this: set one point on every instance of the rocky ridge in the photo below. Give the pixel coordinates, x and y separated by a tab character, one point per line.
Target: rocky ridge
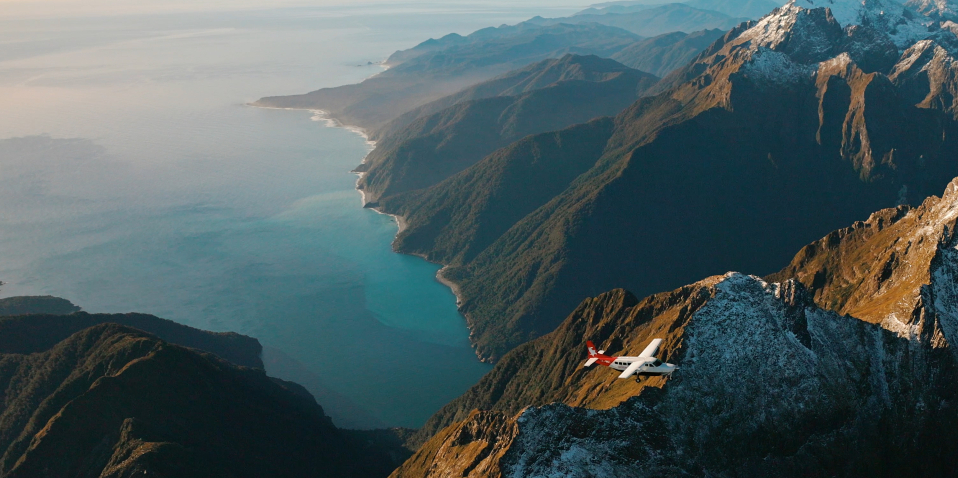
896	269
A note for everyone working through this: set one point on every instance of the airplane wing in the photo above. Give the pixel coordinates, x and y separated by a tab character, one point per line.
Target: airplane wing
631	370
590	361
651	349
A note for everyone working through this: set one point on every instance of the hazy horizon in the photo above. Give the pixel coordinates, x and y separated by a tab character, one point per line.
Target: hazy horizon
135	179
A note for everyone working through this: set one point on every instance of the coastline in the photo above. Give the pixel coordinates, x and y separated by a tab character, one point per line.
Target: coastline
453	286
331	122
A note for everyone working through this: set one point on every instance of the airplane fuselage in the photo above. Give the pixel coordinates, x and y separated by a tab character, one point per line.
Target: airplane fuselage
652	366
644	364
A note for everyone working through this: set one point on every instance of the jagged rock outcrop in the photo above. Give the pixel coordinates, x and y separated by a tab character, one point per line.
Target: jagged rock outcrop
782	130
896	269
769	385
472	448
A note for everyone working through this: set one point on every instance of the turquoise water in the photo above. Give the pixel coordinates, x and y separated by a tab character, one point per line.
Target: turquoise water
133	178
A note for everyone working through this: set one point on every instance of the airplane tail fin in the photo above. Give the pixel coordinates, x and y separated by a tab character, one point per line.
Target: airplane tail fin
591	347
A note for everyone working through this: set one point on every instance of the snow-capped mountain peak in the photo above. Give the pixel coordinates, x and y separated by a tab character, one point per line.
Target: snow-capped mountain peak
847	12
942	9
902	23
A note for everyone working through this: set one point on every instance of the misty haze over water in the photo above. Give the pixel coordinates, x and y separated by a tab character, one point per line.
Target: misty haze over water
133	178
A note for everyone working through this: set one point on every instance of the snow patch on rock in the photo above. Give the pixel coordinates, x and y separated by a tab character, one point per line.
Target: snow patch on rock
776	68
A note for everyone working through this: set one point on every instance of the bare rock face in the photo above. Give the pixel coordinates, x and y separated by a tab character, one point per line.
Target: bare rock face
842	364
896	269
471	448
769	385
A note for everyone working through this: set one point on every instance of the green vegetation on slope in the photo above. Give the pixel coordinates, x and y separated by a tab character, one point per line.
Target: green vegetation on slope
457	219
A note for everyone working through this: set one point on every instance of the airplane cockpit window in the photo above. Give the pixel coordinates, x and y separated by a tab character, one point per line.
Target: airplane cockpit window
656	363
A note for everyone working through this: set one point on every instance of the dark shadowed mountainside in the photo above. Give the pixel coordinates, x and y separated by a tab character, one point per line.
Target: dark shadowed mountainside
555	94
434	71
29	334
45	304
779	132
661	54
836	392
462	216
112	401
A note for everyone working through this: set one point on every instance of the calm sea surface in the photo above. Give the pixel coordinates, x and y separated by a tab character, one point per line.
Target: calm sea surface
133	178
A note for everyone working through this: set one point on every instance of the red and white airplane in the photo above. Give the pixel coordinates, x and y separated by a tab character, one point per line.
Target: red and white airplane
644	364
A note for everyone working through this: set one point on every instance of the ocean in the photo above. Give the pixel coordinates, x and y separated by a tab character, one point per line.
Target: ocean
133	177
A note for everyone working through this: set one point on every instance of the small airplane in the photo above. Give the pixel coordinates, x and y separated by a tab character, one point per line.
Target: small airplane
644	364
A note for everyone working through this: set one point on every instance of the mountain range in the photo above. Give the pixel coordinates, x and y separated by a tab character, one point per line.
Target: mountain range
652	20
575	165
662	54
841	364
442	67
778	132
753	9
439	67
418	149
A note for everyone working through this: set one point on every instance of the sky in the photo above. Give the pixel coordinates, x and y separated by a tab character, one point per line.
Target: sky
60	8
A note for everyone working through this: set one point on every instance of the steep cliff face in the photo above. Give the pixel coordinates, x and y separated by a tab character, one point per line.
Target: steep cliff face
781	131
472	448
112	401
841	364
768	387
895	269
